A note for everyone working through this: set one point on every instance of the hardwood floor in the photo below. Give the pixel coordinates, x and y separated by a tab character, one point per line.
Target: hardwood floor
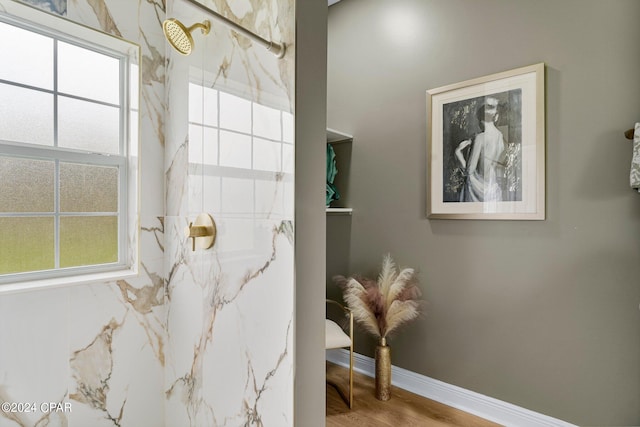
405	409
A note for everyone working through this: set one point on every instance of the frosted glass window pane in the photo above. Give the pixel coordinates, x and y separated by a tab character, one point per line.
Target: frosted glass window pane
235	150
27	185
88	188
235	113
287	127
266	122
88	126
26	115
27	244
266	155
88	74
34	68
88	240
197	105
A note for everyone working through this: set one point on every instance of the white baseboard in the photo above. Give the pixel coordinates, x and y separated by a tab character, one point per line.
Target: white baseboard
474	403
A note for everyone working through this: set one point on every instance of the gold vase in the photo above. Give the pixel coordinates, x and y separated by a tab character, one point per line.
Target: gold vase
383	371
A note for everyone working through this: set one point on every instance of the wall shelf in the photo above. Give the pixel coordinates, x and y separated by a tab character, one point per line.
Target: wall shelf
336	137
343	158
339	211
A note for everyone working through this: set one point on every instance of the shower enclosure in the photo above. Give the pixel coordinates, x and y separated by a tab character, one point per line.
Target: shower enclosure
198	338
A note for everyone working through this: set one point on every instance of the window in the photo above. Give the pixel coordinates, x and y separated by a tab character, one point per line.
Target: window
67	135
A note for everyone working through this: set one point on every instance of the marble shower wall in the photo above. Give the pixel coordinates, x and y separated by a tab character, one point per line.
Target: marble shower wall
229	153
199	338
100	347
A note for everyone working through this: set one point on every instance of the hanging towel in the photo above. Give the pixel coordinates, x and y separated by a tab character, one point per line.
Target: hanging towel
634	177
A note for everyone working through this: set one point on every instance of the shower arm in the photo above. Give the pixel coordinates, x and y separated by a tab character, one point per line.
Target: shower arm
277	49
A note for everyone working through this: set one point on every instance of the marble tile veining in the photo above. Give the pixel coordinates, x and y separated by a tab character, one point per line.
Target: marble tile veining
240	337
230	308
100	348
199	338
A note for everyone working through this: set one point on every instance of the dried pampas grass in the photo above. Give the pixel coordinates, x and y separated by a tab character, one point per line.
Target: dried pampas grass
382	307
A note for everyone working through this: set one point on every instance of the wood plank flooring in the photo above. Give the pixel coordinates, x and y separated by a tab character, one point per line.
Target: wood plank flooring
405	409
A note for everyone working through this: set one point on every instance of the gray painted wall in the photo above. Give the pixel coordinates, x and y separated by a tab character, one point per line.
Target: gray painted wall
310	125
542	314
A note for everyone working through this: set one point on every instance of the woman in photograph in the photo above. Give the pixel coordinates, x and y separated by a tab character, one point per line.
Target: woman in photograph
484	164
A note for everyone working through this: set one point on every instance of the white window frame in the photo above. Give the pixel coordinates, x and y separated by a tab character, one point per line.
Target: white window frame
127	53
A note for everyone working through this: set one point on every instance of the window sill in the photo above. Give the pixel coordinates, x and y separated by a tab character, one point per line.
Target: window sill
61	282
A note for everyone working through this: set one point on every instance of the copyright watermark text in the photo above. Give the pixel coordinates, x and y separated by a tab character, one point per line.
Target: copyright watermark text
27	407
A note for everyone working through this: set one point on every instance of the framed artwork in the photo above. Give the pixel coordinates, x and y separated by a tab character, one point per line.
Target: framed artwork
486	147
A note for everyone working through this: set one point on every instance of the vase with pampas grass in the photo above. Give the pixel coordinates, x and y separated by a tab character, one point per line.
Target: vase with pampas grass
381	307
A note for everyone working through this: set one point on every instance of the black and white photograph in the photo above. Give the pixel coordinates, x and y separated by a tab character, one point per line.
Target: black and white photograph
486	147
481	144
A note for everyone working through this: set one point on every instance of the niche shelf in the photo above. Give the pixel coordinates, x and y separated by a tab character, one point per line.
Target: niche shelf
343	156
336	137
339	211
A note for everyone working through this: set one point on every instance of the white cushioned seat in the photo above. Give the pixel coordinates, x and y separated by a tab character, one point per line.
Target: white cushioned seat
335	337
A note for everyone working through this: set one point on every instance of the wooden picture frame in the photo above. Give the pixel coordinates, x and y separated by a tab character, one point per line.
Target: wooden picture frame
486	147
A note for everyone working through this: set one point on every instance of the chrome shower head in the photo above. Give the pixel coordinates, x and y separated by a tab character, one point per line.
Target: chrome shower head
180	37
